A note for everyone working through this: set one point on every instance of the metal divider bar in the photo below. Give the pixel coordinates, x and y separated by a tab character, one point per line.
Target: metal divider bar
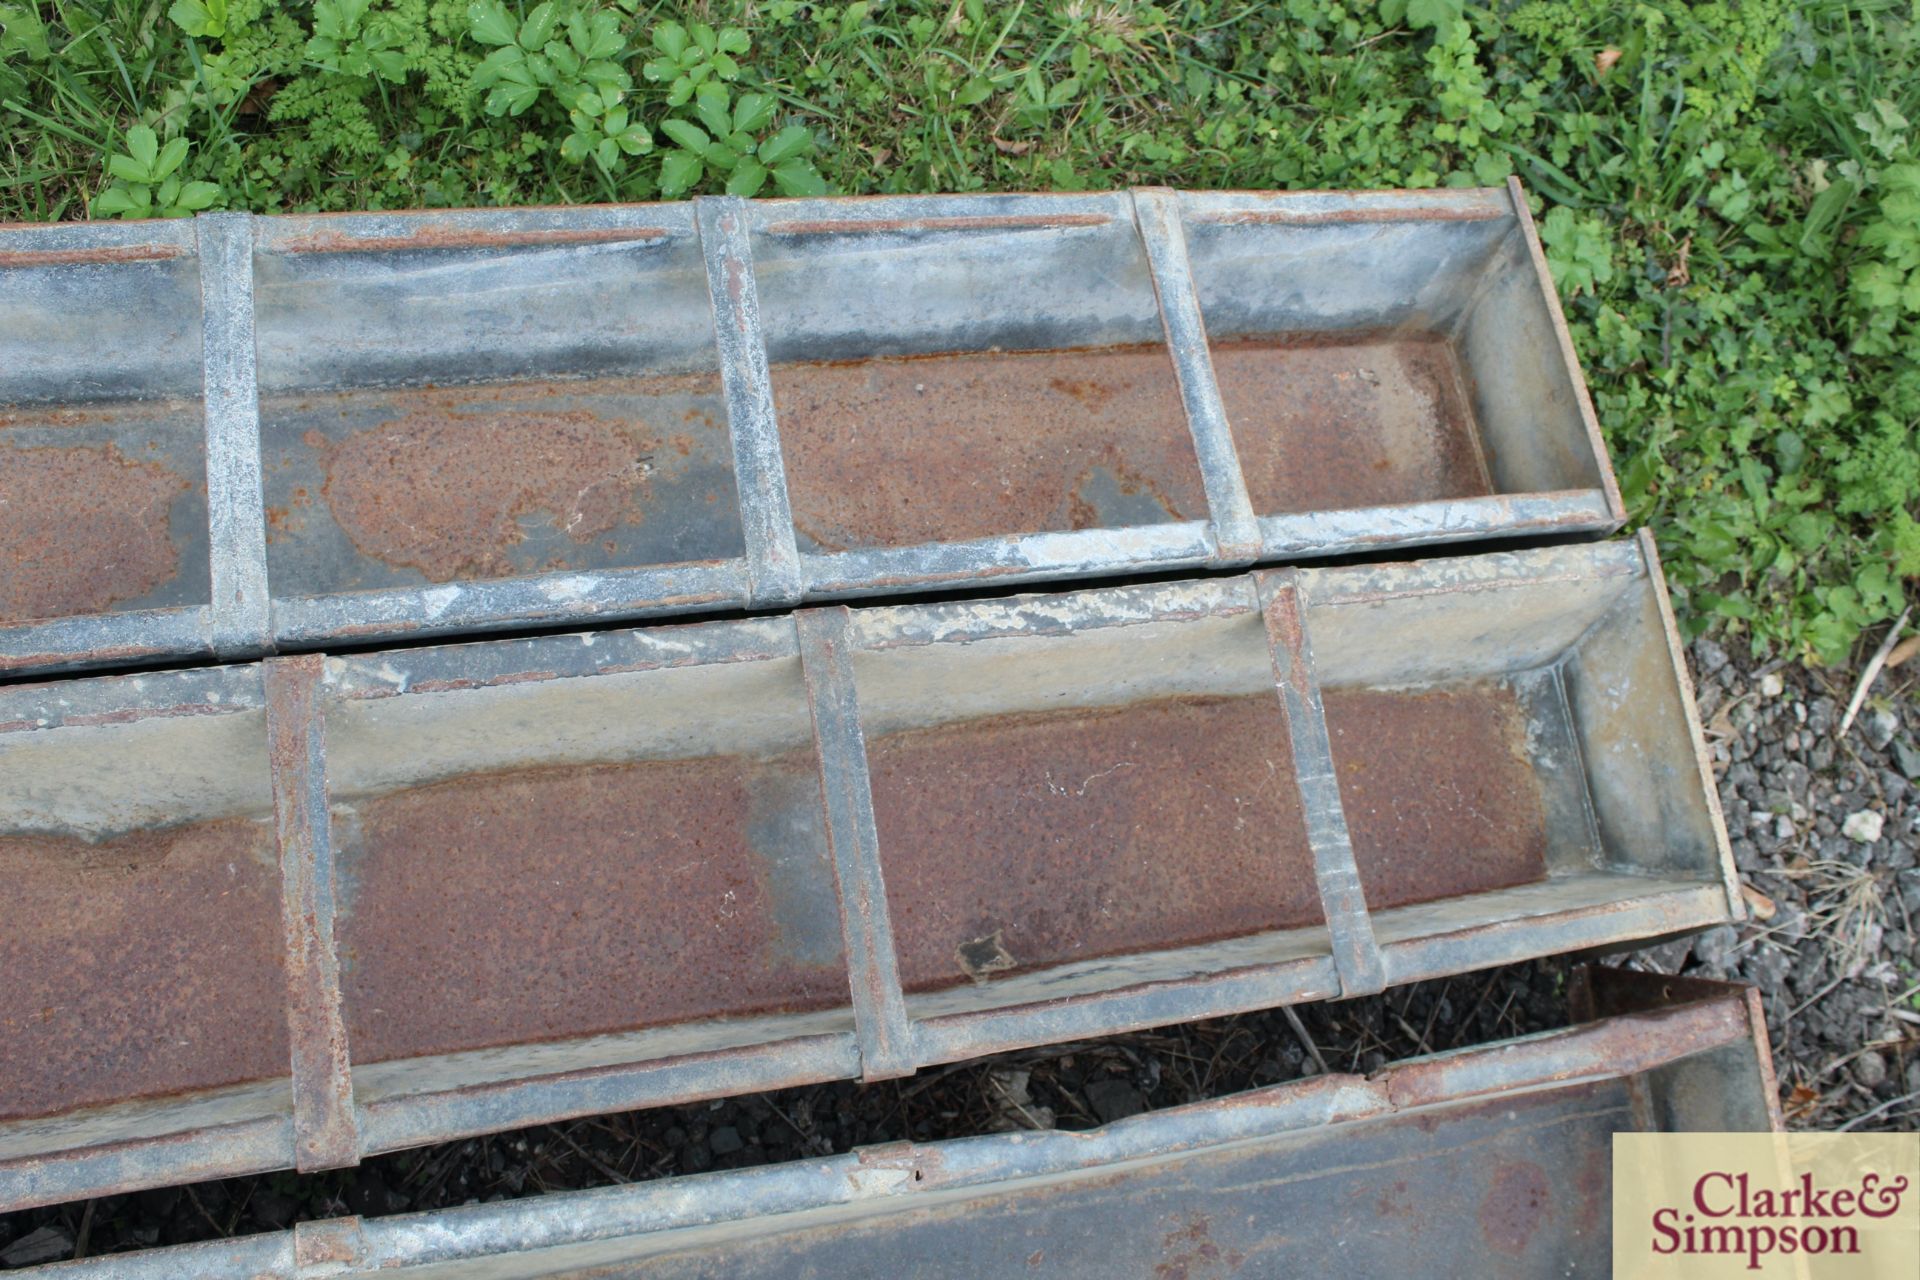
879	1006
766	515
1236	530
1356	955
236	509
326	1133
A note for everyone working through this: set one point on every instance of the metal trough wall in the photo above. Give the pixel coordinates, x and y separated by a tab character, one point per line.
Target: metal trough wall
505	882
1491	1160
241	434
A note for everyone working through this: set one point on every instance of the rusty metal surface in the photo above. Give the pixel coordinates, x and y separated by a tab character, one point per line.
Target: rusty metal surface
325	1136
1489	1160
383	488
83	529
1018	842
1439	791
1330	422
857	842
550	903
141	965
465	420
944	448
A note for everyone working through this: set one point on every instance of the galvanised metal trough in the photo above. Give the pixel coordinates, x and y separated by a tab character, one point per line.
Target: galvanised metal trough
1488	1161
302	911
237	435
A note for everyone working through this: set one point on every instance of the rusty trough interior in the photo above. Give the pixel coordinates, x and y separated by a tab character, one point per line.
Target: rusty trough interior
484	420
573	874
432	414
103	496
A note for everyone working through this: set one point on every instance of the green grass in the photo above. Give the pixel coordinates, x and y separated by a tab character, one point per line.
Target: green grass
1729	193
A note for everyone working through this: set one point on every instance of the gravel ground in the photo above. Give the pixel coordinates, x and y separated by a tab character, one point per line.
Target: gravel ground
1826	833
1824	829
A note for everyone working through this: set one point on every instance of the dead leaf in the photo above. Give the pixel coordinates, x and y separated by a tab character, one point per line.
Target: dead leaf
1801	1101
1904	650
1678	274
1759	903
1604	60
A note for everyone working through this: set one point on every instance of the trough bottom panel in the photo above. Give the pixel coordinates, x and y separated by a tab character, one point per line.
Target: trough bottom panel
145	964
901	451
1016	842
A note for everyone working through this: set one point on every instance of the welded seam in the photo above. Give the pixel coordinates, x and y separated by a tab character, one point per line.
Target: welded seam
760	474
1236	531
326	1132
879	1006
1356	953
236	508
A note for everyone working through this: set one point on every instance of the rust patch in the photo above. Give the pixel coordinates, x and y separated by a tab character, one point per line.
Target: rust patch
543	904
901	451
145	964
1336	421
911	226
1074	834
81	257
1342	217
1514	1206
440	235
1439	795
443	492
82	528
1189	1252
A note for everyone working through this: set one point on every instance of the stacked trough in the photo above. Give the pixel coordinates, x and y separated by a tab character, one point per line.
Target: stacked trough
303	907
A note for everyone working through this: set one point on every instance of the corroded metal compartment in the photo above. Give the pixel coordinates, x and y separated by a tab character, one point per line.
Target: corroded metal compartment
383	425
515	881
1490	1159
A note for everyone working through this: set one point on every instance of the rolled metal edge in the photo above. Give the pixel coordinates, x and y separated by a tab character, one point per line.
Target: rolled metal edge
853	837
766	513
106	639
236	505
1356	954
1676	653
1156	217
1657	1031
412	1120
954	1037
1028	557
621	594
326	1134
259	1145
1423	524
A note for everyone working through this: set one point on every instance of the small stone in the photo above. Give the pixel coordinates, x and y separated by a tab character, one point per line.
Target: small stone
1709	656
1907	756
1714	946
1821	715
1870	1069
1879	726
725	1140
1783	828
1113	1099
1821	756
43	1245
1862	827
1771	685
